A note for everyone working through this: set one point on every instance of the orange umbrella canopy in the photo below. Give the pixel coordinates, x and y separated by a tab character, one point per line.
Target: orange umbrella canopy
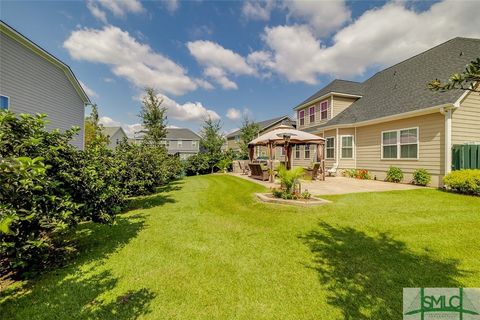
278	135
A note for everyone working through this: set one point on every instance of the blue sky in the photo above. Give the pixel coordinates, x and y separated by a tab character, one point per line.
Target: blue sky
229	59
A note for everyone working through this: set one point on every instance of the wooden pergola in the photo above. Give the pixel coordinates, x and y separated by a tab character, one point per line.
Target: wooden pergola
287	137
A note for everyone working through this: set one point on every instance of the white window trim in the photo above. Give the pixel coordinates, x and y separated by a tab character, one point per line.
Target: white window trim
299	151
326	138
326	110
179	143
310	115
309	151
194	143
8	98
300	118
399	144
353	146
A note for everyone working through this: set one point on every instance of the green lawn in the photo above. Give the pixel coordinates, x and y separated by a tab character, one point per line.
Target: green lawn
205	249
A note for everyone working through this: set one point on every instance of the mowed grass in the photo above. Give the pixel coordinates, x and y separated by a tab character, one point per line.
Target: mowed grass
206	249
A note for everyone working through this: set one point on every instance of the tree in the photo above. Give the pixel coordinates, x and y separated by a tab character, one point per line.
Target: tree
467	80
248	132
154	119
212	141
93	129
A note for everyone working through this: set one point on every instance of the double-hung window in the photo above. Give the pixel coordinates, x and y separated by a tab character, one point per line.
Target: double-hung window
301	117
4	102
297	151
194	143
306	152
347	147
400	144
330	147
324	110
311	112
179	143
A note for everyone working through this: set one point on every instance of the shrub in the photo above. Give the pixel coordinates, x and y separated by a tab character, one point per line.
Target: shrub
197	164
306	195
421	177
224	164
464	181
289	178
349	173
394	174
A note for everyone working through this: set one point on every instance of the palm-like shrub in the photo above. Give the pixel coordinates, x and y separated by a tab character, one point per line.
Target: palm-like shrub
289	178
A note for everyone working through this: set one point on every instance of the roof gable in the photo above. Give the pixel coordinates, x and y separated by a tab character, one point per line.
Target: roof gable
263	125
29	44
402	88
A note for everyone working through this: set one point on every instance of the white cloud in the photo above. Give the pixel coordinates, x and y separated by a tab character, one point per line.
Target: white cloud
129	59
190	111
234	114
202	83
379	37
257	10
88	91
220	77
130	129
323	17
120	8
171	5
218	62
96	11
108	80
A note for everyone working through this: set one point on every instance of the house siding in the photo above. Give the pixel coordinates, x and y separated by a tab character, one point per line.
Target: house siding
35	85
431	147
341	103
466	120
114	140
185	150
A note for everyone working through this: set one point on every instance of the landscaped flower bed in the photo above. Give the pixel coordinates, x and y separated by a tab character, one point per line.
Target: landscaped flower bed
271	198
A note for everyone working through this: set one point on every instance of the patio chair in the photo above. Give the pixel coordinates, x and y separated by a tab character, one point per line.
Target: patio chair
257	172
333	170
243	167
313	172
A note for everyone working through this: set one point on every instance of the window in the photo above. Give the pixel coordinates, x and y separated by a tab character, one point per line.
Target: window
347	147
330	148
297	151
324	110
237	139
194	143
179	143
306	152
312	114
400	144
4	102
389	145
301	117
167	143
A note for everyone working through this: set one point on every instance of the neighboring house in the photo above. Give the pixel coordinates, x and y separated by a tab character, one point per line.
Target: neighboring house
115	135
233	139
180	141
34	81
392	119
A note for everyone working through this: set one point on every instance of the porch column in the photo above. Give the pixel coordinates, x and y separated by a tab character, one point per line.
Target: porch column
448	140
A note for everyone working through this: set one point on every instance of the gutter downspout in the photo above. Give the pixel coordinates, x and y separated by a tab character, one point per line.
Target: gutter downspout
447	112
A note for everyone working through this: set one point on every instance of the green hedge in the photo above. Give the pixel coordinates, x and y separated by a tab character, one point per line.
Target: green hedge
463	181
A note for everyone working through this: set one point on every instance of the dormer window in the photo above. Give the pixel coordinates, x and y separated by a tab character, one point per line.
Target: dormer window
311	112
324	110
301	117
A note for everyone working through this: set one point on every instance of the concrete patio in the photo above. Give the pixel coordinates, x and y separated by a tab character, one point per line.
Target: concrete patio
339	185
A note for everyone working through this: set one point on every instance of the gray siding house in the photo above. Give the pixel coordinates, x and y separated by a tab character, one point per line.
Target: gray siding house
180	141
34	81
115	135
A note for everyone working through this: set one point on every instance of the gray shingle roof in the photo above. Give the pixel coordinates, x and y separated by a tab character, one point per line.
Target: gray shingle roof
265	124
403	88
181	134
338	86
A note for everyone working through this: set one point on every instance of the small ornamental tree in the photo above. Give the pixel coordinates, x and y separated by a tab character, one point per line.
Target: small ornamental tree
248	132
93	128
467	80
154	119
212	141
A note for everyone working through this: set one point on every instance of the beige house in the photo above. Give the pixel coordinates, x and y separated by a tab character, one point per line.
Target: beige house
233	139
392	119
